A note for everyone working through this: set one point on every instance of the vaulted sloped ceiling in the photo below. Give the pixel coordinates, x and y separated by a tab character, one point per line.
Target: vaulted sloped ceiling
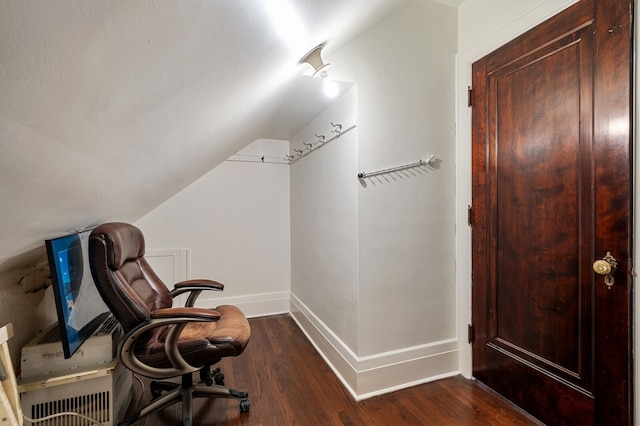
108	108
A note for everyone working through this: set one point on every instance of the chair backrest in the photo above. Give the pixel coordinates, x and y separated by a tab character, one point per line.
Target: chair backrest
124	279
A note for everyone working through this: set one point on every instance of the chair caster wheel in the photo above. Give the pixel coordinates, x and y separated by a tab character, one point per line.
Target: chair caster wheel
219	378
244	405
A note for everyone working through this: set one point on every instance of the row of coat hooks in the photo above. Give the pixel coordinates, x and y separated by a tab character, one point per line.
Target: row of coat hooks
321	140
338	129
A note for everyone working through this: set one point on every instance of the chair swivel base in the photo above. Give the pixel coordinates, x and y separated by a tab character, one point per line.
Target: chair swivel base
185	393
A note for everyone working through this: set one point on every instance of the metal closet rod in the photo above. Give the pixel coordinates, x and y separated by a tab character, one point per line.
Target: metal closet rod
426	162
255	158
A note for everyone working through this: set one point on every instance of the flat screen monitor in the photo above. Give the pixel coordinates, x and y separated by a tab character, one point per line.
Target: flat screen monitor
79	306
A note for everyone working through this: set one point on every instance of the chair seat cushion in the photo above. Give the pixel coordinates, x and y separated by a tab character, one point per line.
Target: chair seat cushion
232	327
203	343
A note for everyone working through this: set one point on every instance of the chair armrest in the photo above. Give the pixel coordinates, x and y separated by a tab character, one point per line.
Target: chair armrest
194	288
179	318
205	284
187	312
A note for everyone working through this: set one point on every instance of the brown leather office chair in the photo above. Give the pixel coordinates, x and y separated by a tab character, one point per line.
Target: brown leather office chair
162	341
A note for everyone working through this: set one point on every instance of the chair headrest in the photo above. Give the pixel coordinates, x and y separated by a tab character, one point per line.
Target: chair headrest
124	242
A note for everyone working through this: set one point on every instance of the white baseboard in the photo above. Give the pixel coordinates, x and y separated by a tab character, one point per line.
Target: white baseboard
363	377
369	376
254	305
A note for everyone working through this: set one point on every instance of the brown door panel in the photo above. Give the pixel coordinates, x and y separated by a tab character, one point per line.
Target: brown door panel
551	193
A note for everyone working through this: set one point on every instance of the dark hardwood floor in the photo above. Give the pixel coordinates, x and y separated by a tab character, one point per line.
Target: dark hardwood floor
290	384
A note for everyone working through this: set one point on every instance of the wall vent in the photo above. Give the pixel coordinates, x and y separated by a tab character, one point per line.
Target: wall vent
102	395
108	326
95	406
50	336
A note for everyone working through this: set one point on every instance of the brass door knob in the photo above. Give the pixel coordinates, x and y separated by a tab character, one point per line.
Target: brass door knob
606	266
602	267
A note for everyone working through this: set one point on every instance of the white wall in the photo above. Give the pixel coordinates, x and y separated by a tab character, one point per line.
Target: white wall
402	329
404	71
403	68
324	222
484	22
234	221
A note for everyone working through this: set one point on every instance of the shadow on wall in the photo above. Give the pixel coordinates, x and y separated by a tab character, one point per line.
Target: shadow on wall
25	261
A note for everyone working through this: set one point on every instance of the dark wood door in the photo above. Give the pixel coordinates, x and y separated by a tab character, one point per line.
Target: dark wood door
551	170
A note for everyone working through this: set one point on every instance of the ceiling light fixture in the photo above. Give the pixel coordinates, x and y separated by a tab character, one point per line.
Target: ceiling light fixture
314	59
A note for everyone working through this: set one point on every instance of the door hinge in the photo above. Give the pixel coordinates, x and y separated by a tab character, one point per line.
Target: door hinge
469	215
469	96
471	333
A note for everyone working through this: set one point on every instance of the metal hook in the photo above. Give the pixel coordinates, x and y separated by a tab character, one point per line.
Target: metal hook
321	138
429	160
288	157
337	128
298	151
308	145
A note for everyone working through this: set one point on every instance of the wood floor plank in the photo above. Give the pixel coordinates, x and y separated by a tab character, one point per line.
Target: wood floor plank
290	384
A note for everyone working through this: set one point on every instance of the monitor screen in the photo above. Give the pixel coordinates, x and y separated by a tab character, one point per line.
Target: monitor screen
78	304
